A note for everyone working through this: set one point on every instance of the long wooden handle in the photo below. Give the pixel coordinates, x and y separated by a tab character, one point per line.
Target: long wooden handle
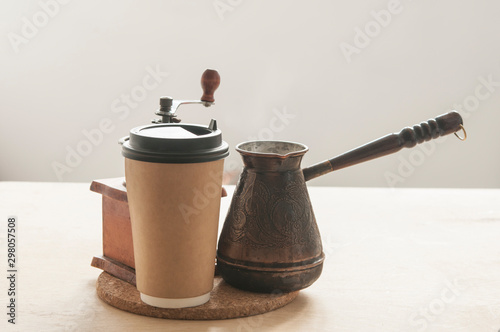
407	138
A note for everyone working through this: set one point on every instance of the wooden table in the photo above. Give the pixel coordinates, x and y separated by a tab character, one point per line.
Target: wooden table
396	260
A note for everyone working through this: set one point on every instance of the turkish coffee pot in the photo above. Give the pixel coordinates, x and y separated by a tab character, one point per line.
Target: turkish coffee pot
270	241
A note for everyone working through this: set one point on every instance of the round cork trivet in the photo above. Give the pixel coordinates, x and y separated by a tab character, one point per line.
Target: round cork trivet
225	301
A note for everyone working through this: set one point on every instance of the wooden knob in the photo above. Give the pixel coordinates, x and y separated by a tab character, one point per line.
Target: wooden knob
210	81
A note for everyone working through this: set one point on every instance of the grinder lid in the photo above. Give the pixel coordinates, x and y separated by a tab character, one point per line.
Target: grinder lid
175	143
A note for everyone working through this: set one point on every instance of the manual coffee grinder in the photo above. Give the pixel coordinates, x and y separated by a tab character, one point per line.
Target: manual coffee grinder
118	254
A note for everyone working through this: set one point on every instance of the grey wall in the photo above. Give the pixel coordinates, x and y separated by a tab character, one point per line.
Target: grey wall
75	76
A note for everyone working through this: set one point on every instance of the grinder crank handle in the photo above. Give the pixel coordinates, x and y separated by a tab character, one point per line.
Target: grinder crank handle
210	81
407	138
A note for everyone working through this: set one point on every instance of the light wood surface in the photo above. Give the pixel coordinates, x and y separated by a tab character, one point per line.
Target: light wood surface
396	260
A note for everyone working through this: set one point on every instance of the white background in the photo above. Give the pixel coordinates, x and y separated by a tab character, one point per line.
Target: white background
65	67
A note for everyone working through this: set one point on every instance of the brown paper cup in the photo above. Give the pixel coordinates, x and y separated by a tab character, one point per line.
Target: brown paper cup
174	210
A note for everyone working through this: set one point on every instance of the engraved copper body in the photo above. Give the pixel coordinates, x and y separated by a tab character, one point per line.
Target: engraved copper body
270	240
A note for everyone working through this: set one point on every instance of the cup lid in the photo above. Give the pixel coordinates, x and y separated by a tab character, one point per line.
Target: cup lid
175	143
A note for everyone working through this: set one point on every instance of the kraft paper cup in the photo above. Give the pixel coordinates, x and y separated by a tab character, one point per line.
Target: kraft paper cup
174	210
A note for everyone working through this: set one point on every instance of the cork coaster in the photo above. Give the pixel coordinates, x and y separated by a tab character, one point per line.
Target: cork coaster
225	301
